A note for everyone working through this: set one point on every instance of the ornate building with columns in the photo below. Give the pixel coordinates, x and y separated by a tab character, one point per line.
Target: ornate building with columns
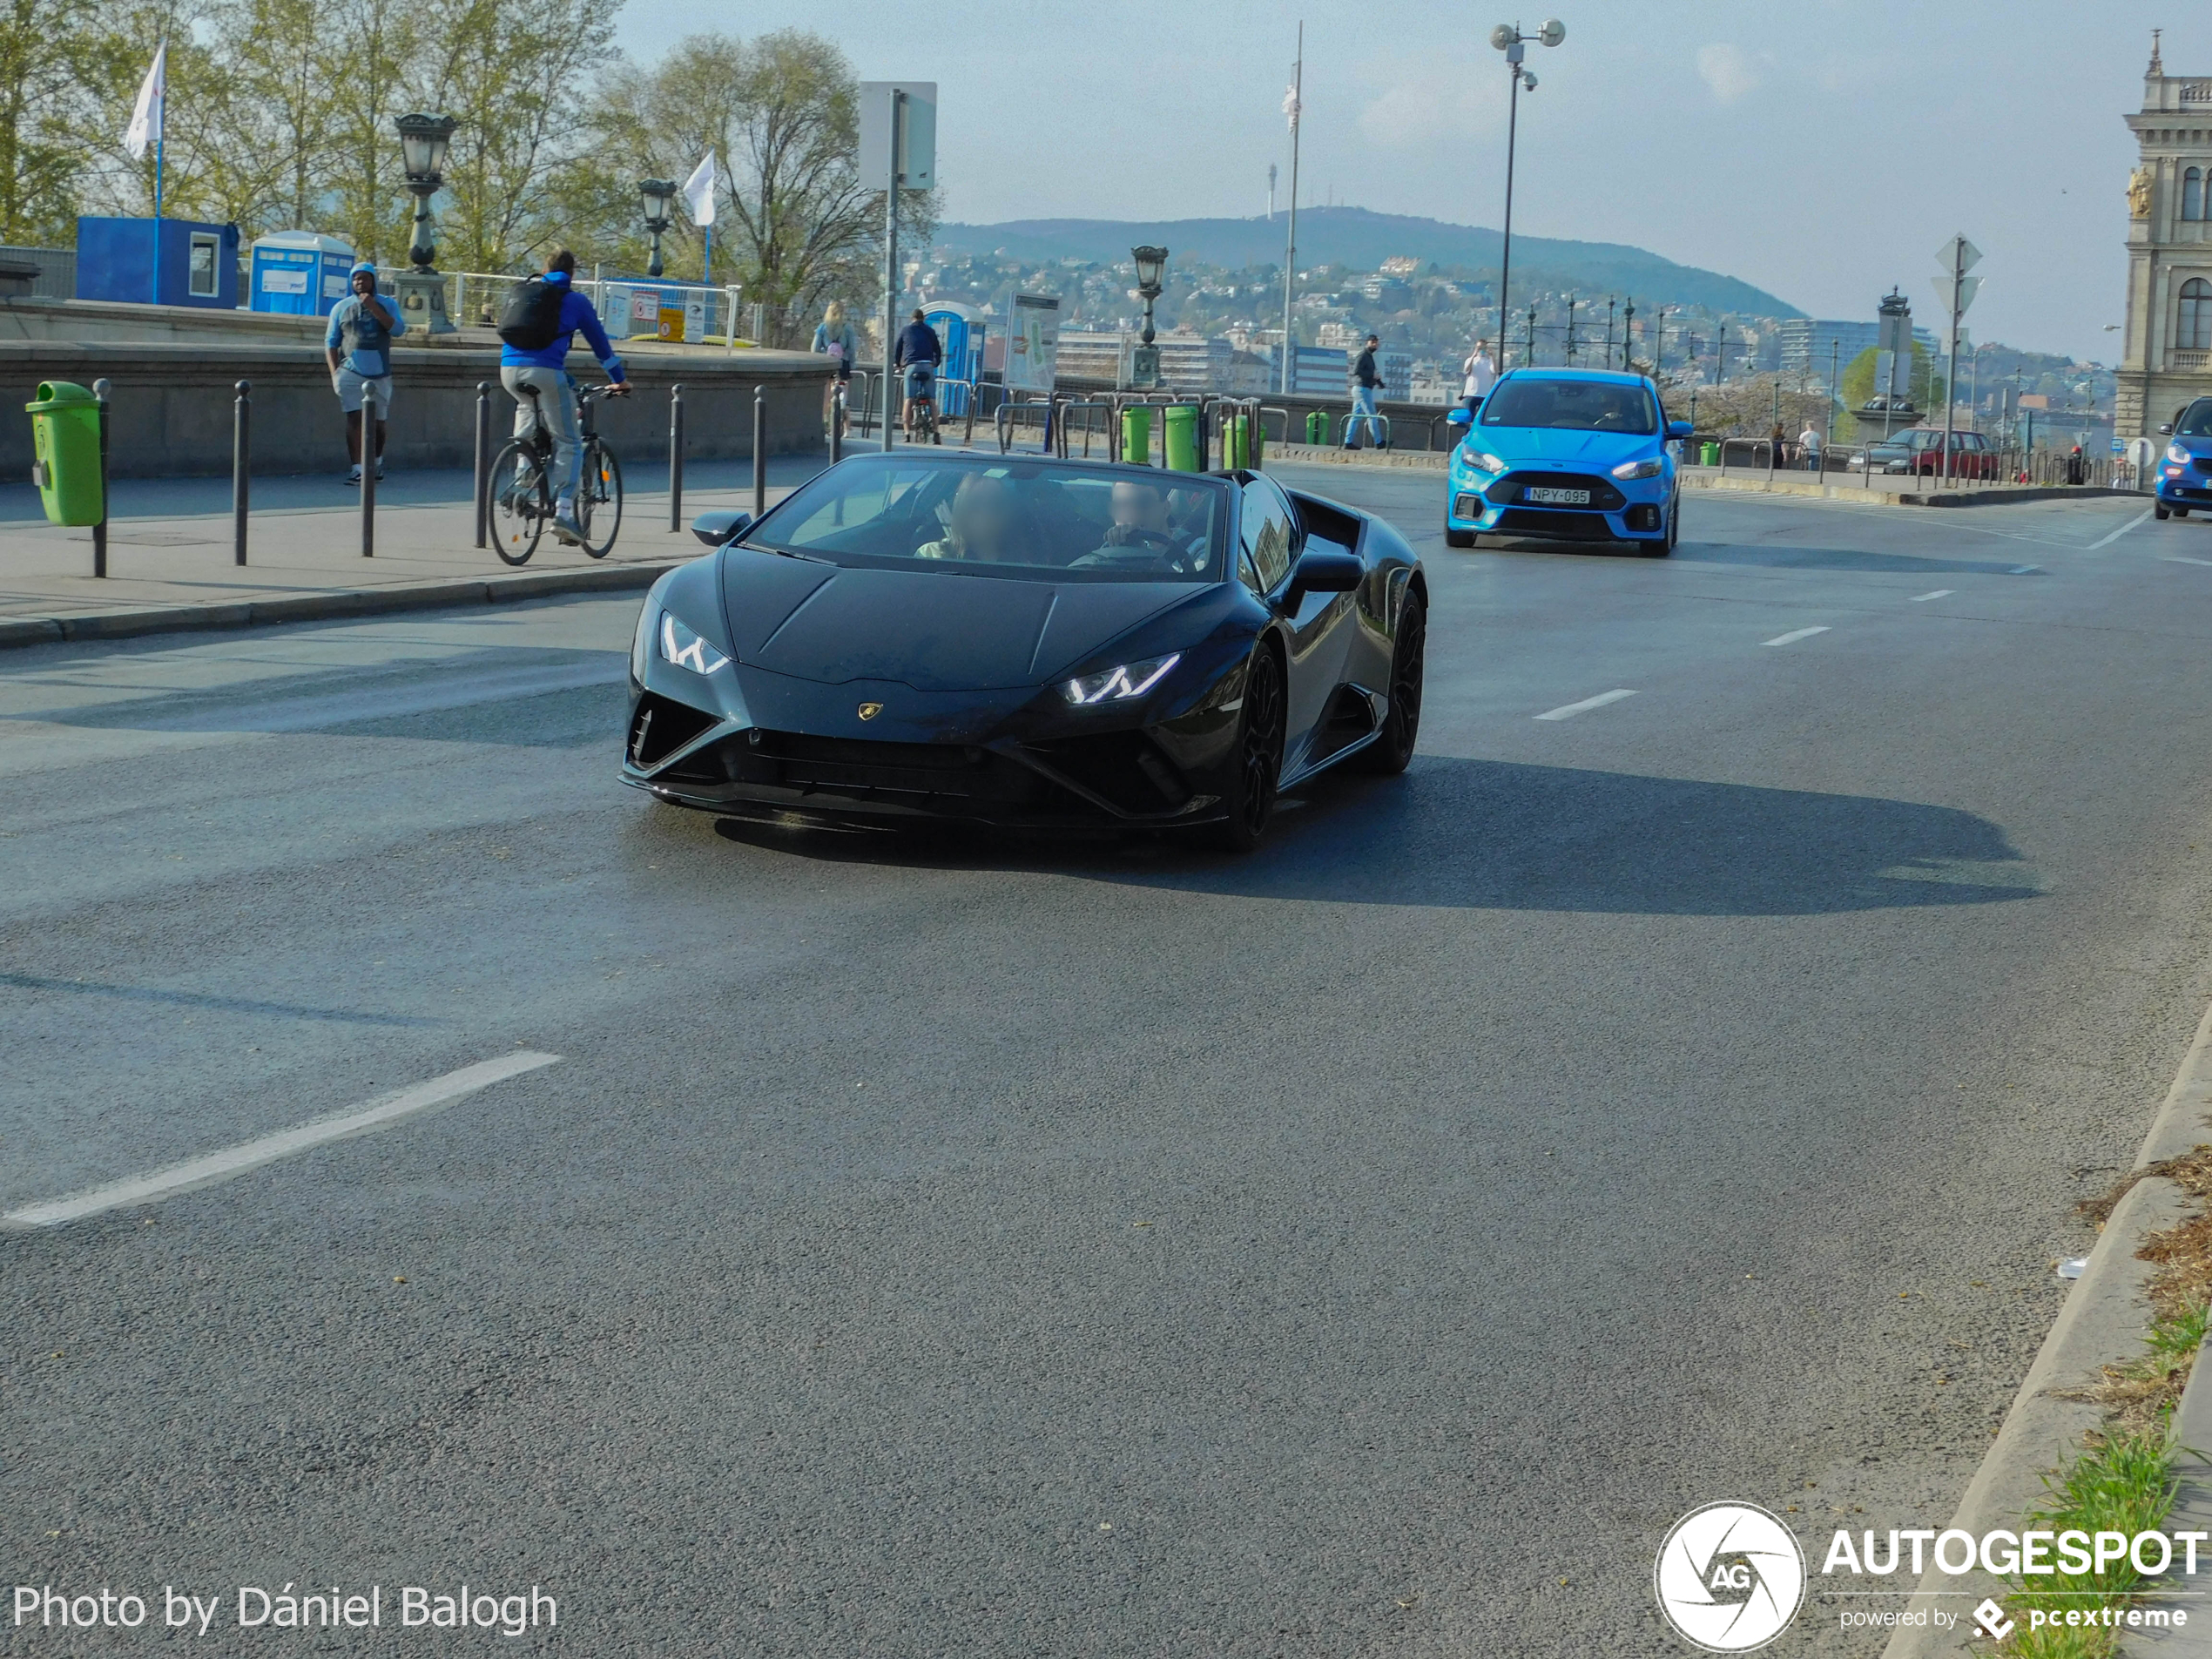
2168	357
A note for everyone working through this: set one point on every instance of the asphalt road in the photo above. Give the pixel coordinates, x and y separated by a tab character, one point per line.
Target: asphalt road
956	1245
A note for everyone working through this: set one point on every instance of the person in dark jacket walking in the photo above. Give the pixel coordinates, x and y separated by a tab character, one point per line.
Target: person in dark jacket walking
1366	386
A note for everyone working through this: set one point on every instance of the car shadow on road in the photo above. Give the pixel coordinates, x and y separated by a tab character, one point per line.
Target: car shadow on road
1485	835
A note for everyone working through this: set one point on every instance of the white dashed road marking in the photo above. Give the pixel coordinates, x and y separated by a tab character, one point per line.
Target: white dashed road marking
248	1154
1940	593
1568	710
1793	636
2182	558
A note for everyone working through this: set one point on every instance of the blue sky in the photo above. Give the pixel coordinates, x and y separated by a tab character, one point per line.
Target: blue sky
1822	149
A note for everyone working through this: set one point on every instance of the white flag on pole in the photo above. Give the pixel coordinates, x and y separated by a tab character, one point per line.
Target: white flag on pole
147	118
1290	106
698	191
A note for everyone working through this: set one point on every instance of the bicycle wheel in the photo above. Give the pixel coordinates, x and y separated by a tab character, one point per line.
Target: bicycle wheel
522	502
598	502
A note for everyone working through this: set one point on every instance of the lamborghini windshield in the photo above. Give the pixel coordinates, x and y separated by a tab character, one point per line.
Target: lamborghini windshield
1031	518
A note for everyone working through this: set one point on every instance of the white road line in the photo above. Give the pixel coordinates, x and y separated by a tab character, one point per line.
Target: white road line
1793	636
2180	558
1940	593
221	1166
1568	710
2108	540
2024	569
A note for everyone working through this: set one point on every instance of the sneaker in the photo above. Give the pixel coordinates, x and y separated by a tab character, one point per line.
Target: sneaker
565	528
380	472
354	476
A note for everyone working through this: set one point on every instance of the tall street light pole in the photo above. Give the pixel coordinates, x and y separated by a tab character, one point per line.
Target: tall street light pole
1292	108
1508	39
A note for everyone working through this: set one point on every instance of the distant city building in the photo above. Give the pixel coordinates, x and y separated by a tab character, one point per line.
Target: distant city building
1400	264
1430	383
1339	336
1388	292
1809	347
2167	358
1187	360
1316	371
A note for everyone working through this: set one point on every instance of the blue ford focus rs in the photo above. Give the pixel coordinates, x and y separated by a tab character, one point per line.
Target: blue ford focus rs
1568	454
2185	470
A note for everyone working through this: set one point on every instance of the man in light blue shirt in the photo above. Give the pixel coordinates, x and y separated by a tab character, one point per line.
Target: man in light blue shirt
542	370
359	345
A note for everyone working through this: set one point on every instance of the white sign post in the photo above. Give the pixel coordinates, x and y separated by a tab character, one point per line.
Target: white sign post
898	145
1953	259
1033	343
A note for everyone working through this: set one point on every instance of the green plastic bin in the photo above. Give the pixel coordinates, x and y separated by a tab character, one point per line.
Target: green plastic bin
1709	455
1137	436
1182	436
1236	442
66	443
1316	426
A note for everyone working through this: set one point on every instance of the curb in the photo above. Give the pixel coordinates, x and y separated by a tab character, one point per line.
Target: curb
2104	1319
1331	456
1860	495
323	607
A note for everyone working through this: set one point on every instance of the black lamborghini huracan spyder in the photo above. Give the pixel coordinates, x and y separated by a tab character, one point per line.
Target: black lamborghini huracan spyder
1027	642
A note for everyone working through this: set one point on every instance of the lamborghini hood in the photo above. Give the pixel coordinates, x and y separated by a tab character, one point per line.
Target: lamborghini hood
937	630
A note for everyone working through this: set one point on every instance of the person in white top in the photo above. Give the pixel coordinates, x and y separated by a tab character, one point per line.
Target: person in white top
1481	375
1809	446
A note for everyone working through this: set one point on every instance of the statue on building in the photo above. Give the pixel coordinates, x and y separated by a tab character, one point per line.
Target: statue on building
2139	194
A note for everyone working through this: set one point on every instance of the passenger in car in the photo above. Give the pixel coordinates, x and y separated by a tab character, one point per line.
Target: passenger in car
981	523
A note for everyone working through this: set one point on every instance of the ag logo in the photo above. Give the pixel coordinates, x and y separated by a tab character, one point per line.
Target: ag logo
869	711
1729	1577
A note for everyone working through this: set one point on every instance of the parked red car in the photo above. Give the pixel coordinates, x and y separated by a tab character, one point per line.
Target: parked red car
1970	454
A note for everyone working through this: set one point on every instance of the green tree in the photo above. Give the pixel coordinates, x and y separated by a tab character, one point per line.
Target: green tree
282	99
367	53
517	78
1923	386
43	87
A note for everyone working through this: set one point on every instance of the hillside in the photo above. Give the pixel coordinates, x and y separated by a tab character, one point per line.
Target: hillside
1362	240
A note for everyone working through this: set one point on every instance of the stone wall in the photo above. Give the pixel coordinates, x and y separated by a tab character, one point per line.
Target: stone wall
171	411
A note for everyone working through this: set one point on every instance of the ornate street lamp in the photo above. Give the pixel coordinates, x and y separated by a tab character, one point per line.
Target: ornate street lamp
657	193
1145	362
423	142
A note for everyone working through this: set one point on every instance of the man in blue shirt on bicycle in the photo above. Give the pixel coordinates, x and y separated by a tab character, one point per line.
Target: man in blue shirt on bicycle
543	370
918	353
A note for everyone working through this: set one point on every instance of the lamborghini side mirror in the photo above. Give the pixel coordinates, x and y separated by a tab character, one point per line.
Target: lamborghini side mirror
718	529
1323	569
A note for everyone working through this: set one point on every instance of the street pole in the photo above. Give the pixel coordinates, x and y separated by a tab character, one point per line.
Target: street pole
1571	303
891	264
1950	382
1627	332
1289	249
1835	392
1720	356
1532	332
1513	56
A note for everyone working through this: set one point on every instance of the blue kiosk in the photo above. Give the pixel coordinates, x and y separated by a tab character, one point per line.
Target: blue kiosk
960	331
196	265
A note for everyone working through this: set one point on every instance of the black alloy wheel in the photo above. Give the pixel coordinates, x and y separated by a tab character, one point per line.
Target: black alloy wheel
1259	762
1390	753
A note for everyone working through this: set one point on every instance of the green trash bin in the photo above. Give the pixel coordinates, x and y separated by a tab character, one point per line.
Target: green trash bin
66	443
1137	436
1709	455
1182	436
1236	442
1316	426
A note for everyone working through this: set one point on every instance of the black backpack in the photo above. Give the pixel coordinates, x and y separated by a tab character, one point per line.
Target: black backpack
531	319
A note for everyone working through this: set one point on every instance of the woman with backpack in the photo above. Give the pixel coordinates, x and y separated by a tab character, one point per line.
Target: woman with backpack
834	338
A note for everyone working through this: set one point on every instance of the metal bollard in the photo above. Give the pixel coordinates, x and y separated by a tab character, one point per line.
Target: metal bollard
369	469
102	390
483	462
759	450
241	467
837	424
676	457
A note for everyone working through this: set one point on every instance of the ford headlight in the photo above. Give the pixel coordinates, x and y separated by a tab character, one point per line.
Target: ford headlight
2178	455
1650	468
679	645
1119	685
1482	460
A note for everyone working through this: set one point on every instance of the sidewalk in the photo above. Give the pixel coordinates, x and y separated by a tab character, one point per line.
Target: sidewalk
170	565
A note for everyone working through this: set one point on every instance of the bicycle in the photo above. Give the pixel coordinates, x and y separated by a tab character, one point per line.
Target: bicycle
522	502
921	410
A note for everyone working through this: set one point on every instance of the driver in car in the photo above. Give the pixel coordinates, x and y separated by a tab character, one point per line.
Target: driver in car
1143	523
981	524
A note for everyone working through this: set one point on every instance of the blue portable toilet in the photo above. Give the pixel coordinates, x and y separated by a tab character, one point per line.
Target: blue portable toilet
300	273
959	330
197	265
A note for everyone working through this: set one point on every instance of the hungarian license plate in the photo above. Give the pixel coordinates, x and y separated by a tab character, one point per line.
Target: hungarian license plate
1544	496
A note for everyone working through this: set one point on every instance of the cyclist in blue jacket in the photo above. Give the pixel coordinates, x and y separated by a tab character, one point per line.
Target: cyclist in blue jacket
545	372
